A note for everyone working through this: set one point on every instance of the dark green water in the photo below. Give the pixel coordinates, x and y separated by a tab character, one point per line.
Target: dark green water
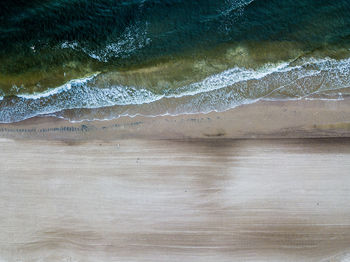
85	59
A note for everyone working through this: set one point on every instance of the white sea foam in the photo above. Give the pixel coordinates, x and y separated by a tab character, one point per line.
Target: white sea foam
217	92
228	78
234	5
123	95
54	91
230	12
133	38
67	44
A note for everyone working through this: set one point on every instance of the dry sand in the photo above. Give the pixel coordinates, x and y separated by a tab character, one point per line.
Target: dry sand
106	191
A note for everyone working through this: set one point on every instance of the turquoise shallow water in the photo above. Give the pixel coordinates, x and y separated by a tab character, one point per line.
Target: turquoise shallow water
86	59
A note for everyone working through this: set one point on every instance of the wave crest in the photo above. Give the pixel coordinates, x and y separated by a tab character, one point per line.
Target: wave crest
132	39
220	91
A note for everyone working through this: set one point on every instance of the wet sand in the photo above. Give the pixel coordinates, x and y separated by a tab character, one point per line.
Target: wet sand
264	119
180	188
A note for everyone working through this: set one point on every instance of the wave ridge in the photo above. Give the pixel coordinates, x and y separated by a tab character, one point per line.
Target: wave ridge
226	89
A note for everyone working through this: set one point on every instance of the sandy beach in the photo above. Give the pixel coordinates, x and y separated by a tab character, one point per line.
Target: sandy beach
111	191
175	131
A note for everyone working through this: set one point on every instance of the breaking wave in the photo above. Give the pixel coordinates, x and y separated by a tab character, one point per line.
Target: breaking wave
232	87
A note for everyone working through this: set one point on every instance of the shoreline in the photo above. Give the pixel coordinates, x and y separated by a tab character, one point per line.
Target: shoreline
260	120
175	131
182	188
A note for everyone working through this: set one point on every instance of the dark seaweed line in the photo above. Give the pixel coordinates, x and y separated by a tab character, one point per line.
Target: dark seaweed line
82	128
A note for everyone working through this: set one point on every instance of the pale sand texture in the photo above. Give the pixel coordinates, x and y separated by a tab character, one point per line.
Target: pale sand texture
208	200
168	189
